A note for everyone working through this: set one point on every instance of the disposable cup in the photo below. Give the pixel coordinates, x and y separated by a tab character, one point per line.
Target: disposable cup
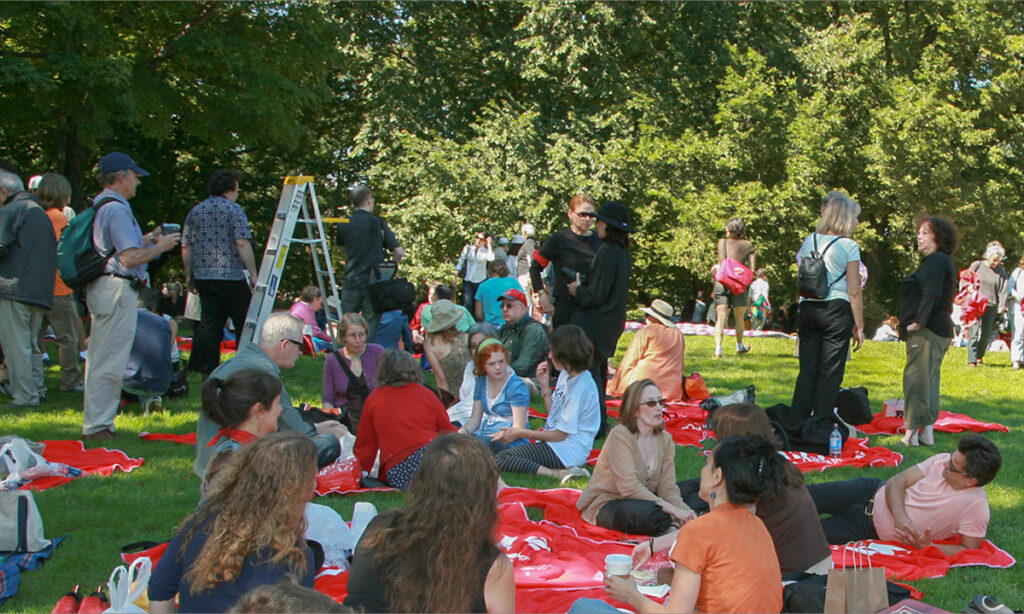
618	565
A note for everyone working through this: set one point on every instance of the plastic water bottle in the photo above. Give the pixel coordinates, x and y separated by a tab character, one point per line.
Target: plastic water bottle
835	442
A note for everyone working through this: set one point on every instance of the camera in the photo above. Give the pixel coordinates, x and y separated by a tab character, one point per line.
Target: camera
572	273
170	228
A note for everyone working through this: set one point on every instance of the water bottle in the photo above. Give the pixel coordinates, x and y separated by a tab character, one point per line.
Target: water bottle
835	442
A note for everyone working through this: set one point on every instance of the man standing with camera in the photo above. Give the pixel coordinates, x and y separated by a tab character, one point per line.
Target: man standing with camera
217	253
113	296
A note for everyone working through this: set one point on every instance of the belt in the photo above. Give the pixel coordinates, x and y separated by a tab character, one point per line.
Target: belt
869	507
137	284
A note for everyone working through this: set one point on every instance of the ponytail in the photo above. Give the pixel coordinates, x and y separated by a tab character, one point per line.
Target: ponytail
229	401
751	468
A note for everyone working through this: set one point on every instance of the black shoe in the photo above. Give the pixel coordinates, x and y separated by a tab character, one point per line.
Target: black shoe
986	605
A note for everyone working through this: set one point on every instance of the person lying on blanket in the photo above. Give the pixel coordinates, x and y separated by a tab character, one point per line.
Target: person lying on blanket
937	499
725	559
789	516
574	416
634	485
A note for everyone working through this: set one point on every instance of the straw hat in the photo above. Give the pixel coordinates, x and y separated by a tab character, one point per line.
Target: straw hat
661	311
444	314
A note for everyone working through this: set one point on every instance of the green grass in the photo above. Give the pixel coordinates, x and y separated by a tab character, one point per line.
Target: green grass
100	514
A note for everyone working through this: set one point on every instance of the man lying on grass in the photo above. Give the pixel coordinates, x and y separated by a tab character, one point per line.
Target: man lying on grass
936	499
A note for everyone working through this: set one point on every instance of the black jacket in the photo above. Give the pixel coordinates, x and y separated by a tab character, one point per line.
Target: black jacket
602	300
926	296
28	252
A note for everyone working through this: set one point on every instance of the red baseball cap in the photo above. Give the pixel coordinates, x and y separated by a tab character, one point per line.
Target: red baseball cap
514	295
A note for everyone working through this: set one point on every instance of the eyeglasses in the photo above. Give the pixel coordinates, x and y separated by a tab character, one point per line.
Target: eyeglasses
298	343
355	336
654	403
953	468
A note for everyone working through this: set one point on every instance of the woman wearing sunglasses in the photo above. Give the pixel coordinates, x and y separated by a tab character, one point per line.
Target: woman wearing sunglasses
634	489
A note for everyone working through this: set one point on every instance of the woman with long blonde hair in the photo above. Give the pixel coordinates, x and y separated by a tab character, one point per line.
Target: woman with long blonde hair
248	533
437	553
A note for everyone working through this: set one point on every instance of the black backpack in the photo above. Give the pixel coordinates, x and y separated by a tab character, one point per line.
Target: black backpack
812	276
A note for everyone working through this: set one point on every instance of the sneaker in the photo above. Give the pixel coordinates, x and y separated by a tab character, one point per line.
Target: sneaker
743	349
718	352
1016	366
69	603
95	603
575	473
987	605
104	434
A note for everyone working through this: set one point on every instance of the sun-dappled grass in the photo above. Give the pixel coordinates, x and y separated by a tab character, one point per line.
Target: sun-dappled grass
100	514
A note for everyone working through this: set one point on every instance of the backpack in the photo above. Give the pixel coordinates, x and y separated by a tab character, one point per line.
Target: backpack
812	276
78	260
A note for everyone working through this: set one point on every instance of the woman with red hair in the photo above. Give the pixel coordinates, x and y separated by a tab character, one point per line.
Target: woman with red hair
500	398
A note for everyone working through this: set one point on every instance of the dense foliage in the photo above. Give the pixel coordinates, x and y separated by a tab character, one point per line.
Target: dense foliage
465	115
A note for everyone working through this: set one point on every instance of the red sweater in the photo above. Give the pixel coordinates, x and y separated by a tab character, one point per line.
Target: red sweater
398	421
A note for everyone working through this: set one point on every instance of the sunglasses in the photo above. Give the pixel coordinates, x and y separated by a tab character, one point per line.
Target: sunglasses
298	343
654	403
953	468
586	214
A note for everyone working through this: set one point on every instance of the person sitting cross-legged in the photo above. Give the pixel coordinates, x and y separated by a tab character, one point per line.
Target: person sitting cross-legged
936	499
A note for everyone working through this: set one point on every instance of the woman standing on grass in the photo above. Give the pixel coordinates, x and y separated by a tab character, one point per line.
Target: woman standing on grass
826	324
437	553
248	533
994	286
735	245
562	446
926	306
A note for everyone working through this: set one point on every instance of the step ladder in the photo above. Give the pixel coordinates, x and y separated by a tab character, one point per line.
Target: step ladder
293	208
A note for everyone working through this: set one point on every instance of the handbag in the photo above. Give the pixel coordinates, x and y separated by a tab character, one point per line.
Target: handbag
732	273
21	526
857	588
695	388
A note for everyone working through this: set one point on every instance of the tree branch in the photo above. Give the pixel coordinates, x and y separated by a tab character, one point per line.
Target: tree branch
167	50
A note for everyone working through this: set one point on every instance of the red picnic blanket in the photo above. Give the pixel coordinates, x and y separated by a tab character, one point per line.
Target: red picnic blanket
856	453
902	562
684	421
187	438
559	506
98	461
947	422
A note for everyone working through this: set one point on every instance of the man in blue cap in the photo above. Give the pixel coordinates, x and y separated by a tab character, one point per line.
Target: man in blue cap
113	296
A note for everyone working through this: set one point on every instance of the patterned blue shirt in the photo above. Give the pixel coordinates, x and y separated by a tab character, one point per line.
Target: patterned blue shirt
210	230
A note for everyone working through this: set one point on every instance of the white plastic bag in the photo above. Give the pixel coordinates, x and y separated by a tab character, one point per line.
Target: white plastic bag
127	585
363	513
326	527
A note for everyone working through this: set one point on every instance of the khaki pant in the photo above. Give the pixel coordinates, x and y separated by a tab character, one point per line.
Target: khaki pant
925	351
66	321
113	307
19	335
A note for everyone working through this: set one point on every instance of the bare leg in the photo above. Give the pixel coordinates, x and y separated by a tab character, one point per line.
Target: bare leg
739	314
721	319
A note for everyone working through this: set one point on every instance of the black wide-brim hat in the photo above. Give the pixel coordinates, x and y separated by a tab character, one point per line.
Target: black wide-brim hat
615	214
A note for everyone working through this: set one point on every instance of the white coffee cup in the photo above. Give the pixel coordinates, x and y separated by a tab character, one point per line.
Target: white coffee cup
618	565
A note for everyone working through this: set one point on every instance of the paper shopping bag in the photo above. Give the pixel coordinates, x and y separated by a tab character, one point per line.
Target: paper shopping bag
856	589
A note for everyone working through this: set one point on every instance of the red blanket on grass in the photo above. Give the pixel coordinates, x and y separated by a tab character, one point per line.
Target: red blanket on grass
904	563
856	453
947	422
98	461
559	506
187	438
683	421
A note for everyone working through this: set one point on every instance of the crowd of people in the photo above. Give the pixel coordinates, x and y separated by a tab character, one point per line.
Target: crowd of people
536	317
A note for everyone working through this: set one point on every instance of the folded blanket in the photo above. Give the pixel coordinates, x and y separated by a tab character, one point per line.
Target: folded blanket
947	422
559	506
905	563
342	477
856	453
187	438
98	461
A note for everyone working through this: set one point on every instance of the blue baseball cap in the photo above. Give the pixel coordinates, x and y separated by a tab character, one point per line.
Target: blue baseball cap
118	161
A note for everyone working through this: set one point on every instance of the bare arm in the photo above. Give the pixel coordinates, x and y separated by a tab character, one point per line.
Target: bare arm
473	423
856	302
682	598
161	607
435	366
136	256
500	586
966	543
186	258
244	247
478	310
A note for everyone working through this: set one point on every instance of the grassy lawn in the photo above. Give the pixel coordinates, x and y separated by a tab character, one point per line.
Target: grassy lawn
100	514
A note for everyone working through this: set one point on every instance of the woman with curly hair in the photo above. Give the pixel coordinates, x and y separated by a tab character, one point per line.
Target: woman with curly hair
437	553
400	418
248	533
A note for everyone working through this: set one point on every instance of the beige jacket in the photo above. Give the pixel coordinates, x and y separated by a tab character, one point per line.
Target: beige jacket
622	474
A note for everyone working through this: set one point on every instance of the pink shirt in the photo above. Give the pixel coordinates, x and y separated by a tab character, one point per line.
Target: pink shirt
934	505
305	313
